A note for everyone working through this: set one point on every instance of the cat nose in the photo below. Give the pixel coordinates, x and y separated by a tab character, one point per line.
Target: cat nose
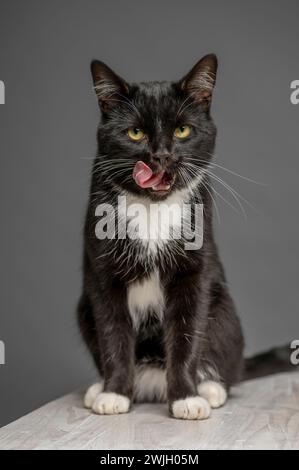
162	159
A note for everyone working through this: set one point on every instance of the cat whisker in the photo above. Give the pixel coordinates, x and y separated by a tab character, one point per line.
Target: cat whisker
125	101
207	185
211	195
129	102
250	180
238	197
181	108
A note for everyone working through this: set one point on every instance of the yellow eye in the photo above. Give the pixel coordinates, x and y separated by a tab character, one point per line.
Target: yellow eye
135	133
182	132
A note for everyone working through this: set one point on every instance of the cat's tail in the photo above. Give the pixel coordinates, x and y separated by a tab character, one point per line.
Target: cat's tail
271	362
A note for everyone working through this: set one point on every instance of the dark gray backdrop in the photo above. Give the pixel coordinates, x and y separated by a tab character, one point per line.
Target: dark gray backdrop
47	135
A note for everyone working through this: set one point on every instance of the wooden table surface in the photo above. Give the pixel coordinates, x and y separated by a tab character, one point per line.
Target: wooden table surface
261	414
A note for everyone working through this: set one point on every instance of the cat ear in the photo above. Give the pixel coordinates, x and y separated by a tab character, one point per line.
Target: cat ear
108	86
200	81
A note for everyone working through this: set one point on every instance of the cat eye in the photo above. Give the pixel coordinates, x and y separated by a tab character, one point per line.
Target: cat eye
182	132
136	134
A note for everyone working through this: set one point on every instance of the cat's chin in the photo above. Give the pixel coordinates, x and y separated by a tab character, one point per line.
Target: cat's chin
161	194
152	193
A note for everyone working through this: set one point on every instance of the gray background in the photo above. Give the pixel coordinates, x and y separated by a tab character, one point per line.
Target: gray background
47	137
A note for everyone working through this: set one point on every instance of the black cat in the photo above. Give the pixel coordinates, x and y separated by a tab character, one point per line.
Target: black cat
157	318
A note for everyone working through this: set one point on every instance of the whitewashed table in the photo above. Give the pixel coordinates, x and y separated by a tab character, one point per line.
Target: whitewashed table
261	414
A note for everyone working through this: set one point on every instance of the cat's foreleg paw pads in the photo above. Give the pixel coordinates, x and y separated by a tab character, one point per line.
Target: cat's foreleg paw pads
191	408
110	404
213	392
92	393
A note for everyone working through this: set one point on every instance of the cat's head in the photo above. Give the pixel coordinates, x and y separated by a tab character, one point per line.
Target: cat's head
155	137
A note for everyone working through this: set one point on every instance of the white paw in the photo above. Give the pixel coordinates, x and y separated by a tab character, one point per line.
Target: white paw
92	393
191	408
110	404
213	392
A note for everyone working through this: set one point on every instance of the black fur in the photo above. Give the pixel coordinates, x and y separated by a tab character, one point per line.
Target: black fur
200	329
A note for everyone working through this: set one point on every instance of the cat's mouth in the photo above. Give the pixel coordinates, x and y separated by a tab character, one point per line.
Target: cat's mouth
144	177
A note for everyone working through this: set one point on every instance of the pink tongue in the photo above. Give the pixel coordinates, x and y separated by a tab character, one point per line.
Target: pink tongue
144	176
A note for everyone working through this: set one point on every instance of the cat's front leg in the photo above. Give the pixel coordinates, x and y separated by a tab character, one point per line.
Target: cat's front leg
182	339
116	342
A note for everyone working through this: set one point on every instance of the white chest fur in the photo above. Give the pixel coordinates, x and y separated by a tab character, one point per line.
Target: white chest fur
157	222
144	297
